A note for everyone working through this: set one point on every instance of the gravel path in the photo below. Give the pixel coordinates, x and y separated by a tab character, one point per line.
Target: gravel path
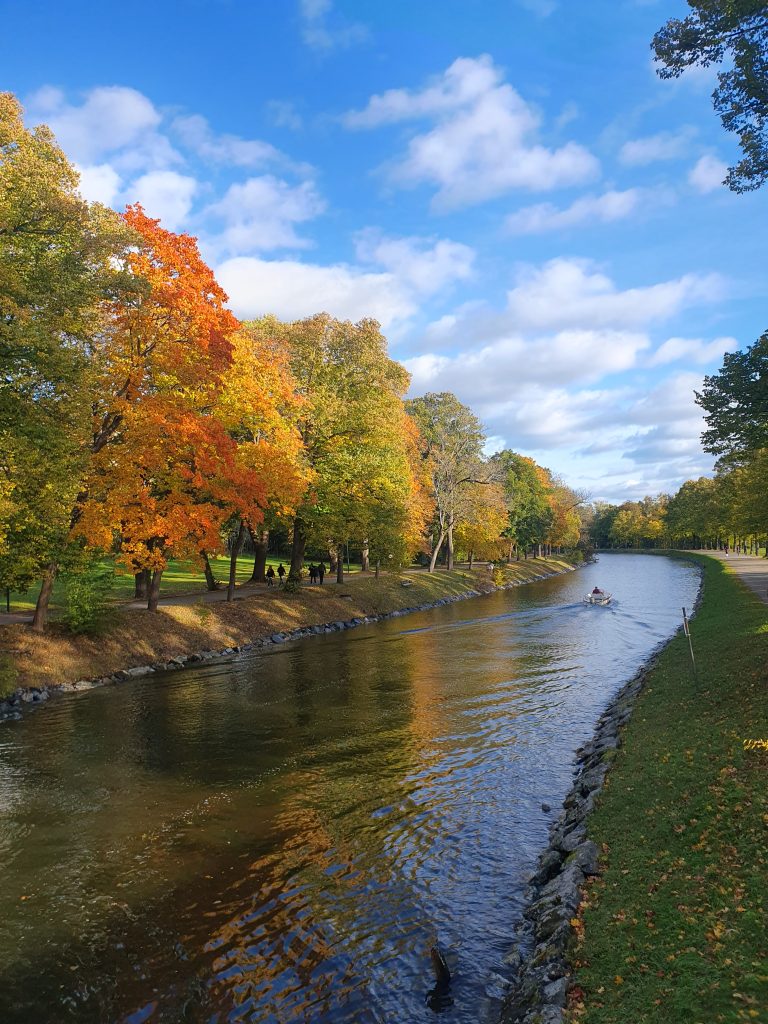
751	570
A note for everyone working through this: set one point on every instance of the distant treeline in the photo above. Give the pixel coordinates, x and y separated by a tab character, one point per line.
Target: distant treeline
729	509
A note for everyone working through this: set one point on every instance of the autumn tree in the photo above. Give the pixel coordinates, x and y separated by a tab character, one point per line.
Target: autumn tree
259	407
59	269
640	523
164	472
479	530
453	442
565	528
350	425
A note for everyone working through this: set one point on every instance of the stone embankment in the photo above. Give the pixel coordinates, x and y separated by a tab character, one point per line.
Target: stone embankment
25	698
538	961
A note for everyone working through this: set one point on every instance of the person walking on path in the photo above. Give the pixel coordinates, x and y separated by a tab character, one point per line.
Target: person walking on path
312	573
321	572
281	571
270	574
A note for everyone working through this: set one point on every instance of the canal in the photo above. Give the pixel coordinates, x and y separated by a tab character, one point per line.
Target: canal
281	837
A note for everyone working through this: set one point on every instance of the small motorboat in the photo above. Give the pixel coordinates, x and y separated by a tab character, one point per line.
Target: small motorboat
598	596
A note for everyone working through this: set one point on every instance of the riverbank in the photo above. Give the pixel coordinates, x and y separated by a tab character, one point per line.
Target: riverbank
135	640
672	922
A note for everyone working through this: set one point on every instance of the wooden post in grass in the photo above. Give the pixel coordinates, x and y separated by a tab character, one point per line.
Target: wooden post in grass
687	630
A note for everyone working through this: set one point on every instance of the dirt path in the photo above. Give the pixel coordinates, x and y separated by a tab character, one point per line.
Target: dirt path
752	571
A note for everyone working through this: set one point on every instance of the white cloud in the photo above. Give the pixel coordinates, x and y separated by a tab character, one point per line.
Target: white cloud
571	356
568	374
465	82
693	350
292	290
110	118
708	174
663	146
262	213
196	134
165	194
574	293
427	264
603	209
99	183
484	142
322	32
569	113
284	114
412	269
669	402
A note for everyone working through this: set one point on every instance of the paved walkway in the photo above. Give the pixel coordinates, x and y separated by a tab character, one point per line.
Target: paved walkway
751	570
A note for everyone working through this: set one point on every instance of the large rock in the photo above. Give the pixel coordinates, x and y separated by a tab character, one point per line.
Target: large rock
586	857
556	992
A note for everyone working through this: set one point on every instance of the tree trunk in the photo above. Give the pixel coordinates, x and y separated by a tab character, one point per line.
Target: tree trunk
154	590
471	556
340	563
377	569
449	561
331	559
210	581
233	560
364	557
43	600
260	544
141	585
436	552
297	550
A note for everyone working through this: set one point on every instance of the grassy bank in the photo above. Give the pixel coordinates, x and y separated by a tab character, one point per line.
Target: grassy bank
179	578
675	929
140	638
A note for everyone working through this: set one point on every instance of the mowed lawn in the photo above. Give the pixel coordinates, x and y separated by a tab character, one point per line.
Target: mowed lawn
676	929
179	578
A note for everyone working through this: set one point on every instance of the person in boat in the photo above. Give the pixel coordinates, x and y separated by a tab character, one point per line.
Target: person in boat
597	590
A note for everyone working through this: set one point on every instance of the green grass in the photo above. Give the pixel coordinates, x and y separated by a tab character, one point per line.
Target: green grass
675	929
178	578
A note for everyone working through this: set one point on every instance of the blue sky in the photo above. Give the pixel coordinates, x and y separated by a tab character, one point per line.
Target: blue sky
534	217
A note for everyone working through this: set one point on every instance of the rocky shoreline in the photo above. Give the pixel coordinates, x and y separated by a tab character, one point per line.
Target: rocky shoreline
539	959
24	699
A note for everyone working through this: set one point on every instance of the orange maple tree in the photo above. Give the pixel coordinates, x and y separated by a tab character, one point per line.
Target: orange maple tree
181	437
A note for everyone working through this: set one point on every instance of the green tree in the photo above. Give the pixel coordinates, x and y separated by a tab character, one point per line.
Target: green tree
735	31
350	423
57	268
692	513
603	516
735	403
531	514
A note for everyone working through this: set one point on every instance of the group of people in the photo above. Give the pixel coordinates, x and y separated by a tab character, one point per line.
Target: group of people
270	574
316	574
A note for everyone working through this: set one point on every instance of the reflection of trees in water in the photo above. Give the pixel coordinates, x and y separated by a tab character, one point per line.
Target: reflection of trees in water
304	823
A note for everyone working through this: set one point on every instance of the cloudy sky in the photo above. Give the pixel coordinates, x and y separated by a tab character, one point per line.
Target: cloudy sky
537	221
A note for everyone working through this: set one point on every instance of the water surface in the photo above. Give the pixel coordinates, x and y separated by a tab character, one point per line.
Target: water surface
281	837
